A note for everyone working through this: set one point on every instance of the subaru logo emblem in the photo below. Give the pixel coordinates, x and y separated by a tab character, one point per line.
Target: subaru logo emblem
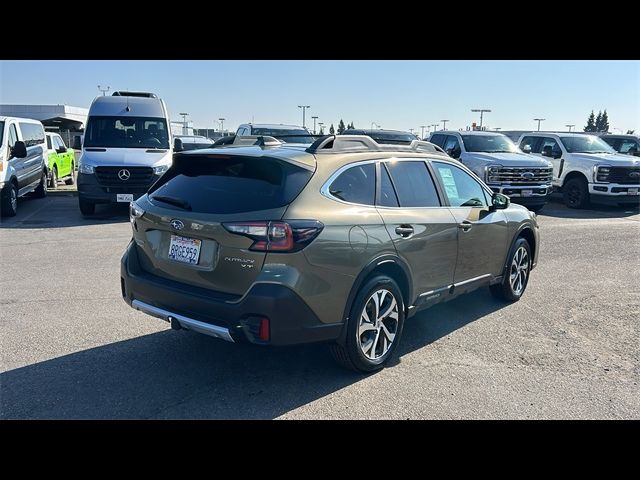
124	174
634	174
176	224
528	175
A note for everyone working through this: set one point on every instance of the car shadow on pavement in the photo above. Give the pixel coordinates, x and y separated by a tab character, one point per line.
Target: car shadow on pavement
60	211
557	209
186	375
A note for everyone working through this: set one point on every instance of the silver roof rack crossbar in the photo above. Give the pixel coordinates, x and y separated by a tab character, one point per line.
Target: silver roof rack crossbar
260	140
360	143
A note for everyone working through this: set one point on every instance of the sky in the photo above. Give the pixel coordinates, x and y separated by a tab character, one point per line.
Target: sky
394	94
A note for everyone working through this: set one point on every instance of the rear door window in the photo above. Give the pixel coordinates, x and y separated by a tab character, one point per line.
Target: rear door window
388	197
356	185
626	145
413	184
226	184
438	139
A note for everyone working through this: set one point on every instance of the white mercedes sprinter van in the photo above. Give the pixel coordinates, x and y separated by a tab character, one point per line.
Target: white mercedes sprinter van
127	146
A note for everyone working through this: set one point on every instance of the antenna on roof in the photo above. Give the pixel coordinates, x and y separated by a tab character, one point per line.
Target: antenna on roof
128	109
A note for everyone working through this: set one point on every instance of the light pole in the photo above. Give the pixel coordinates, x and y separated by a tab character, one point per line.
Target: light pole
104	90
422	127
411	130
570	126
315	117
444	124
374	123
481	110
321	124
304	109
185	130
435	125
539	120
222	126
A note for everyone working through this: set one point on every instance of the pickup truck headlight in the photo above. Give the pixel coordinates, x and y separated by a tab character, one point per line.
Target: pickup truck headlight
601	173
160	169
84	168
491	173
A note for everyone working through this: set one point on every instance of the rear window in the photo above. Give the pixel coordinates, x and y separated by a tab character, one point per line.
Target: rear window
286	135
230	184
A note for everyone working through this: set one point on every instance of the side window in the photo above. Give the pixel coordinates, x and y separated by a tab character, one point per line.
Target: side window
413	184
627	145
49	142
550	145
61	141
356	185
13	136
438	139
56	142
32	134
461	189
388	196
533	142
451	143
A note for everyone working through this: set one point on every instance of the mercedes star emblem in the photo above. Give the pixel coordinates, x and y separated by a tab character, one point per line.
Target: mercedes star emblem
124	174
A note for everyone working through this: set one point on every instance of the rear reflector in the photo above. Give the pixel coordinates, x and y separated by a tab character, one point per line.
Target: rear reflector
263	332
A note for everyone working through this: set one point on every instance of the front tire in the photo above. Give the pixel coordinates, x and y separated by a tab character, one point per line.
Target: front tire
41	189
374	327
9	200
86	207
576	193
516	276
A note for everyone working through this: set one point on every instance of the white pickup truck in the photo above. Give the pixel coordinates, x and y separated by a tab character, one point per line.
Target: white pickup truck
585	168
494	158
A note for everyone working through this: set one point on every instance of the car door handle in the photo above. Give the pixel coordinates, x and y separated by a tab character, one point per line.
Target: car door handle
404	230
465	225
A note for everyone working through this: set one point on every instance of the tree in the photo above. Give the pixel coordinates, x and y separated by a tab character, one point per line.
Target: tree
630	132
341	127
598	121
591	123
321	131
350	126
604	122
332	131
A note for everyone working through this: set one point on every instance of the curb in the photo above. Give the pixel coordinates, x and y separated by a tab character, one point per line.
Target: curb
62	193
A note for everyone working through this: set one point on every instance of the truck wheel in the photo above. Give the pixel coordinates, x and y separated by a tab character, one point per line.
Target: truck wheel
72	179
53	181
516	276
576	193
86	207
10	200
41	189
374	327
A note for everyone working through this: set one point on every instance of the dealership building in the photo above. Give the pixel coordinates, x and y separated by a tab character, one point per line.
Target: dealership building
66	120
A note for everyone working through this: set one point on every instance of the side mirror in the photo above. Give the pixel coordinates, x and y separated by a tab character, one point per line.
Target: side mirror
453	152
177	145
526	149
500	201
77	143
634	151
19	150
546	152
61	150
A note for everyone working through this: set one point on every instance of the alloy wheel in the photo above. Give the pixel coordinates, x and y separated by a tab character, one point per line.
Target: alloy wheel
378	324
519	270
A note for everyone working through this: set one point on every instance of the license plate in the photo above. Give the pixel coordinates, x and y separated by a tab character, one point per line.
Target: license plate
184	249
124	197
632	191
527	193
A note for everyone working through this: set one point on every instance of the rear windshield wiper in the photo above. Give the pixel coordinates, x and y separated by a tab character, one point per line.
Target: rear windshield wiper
178	202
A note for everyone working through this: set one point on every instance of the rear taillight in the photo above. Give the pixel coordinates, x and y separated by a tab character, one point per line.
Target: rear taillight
276	236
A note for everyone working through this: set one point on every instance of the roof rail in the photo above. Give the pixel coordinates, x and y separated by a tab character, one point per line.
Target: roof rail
363	143
121	93
260	140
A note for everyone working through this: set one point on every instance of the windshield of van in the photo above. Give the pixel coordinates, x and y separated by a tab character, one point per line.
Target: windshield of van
586	144
1	132
286	135
126	132
489	144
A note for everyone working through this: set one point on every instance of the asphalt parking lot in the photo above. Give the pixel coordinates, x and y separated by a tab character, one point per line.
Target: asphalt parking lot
71	348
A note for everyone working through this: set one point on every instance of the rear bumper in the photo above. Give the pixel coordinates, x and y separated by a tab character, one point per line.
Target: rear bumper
89	189
291	321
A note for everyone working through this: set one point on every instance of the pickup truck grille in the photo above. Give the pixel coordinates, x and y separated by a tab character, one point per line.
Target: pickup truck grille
624	175
524	175
138	176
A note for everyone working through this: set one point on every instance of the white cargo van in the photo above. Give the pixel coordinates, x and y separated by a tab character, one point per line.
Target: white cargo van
23	161
127	146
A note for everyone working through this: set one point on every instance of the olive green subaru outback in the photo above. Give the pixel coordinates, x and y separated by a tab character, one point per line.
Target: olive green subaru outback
337	242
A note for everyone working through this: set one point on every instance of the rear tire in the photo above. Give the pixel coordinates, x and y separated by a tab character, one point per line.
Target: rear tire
9	201
86	207
374	327
576	193
53	182
72	179
41	189
516	275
